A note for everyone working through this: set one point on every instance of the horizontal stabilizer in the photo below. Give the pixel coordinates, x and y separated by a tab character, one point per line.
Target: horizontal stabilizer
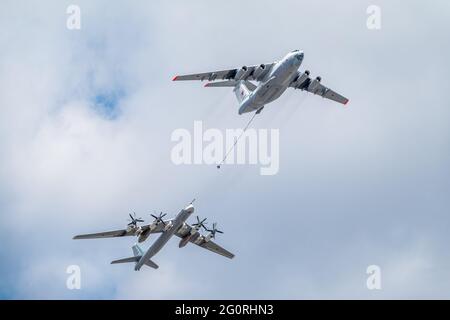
151	264
126	260
137	252
230	83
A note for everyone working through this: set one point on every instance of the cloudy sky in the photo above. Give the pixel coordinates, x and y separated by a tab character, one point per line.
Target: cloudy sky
85	125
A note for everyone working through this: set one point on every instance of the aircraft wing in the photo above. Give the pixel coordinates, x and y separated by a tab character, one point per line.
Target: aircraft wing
245	73
212	246
315	86
209	245
106	234
121	233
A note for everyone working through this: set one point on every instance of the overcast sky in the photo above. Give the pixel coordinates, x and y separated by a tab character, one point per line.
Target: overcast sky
85	125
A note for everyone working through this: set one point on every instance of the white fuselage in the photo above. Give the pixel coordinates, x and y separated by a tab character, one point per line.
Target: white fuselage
274	83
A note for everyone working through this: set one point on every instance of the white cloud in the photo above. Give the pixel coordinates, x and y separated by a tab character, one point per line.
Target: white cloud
346	176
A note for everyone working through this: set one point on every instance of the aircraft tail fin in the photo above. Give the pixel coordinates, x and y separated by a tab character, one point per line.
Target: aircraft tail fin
137	251
243	89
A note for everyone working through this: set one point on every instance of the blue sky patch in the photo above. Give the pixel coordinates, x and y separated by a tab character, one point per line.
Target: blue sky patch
107	104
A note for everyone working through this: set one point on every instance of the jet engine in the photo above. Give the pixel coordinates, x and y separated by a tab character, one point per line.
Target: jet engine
259	72
314	84
301	79
242	73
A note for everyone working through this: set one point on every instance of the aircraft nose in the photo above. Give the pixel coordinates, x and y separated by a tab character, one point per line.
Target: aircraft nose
297	57
189	208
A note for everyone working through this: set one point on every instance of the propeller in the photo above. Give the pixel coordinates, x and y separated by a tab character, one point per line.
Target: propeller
200	223
214	230
133	220
158	219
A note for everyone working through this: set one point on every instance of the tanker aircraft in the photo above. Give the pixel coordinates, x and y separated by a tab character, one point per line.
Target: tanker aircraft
272	81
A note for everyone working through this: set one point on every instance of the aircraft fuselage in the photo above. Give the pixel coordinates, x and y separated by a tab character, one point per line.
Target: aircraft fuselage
165	236
274	83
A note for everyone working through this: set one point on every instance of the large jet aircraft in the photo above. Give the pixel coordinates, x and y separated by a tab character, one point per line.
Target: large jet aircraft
273	79
167	228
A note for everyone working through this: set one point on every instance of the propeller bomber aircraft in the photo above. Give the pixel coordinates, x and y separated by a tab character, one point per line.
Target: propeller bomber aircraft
167	228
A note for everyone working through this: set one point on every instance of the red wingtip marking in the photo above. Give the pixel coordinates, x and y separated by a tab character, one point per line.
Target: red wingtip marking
346	102
206	84
175	78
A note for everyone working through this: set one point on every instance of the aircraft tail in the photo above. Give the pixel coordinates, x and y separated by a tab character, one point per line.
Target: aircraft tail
228	83
242	88
138	253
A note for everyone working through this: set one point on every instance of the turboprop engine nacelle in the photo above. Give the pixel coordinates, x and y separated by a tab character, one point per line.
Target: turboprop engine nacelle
184	241
143	235
168	225
190	237
208	237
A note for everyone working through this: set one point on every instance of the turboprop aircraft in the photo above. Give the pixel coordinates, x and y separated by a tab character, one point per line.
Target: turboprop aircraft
273	79
167	228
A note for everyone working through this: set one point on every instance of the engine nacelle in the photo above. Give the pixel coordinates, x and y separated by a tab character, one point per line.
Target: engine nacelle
241	74
301	79
168	225
184	241
314	84
144	235
194	230
259	72
132	228
207	237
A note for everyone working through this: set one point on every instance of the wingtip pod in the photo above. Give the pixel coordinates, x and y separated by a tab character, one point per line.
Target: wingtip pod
175	78
345	103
